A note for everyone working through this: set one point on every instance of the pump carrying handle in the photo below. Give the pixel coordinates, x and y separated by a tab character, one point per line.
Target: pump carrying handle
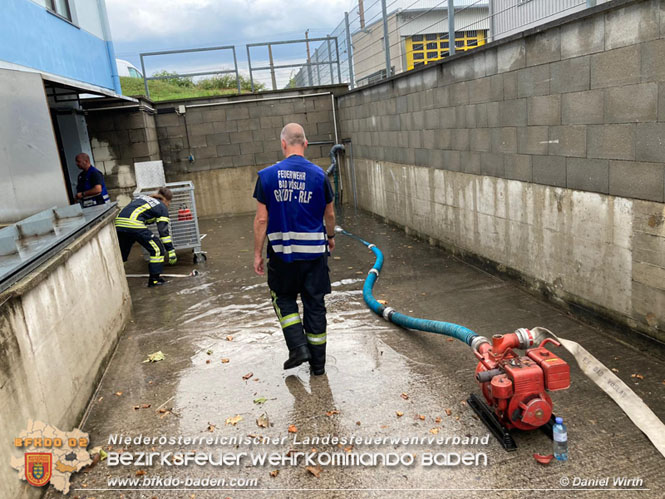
549	340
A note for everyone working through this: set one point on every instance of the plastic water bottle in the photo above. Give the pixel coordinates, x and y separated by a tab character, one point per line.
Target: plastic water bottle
560	438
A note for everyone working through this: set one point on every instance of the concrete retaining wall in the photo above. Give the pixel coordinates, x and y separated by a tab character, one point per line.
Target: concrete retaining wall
542	153
57	328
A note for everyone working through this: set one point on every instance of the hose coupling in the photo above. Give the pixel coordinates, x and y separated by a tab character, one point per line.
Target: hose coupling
525	337
373	271
477	341
371	246
388	313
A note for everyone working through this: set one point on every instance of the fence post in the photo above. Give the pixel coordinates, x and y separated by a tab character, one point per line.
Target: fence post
451	27
235	63
490	38
386	39
309	60
348	49
272	68
249	62
332	80
145	78
339	67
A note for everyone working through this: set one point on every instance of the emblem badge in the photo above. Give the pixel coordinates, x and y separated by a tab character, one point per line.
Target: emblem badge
38	468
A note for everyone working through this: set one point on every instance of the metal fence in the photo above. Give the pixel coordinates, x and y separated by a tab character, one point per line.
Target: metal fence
380	38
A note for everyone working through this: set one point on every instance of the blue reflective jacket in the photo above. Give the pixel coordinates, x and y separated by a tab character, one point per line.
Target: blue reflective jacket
86	181
295	198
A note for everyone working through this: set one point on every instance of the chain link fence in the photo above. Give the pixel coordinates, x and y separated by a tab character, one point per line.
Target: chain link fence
380	38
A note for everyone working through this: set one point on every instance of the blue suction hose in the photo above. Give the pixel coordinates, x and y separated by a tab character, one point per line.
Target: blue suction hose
446	328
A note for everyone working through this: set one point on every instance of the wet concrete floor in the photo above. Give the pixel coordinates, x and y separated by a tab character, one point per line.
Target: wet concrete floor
224	350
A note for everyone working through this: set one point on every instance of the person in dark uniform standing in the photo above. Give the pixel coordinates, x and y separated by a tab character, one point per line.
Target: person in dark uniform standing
90	186
131	227
294	198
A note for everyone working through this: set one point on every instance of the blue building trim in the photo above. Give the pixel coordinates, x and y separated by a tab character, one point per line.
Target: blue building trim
33	37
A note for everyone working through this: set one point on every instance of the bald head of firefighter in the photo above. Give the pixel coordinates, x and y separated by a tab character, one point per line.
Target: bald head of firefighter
295	212
90	186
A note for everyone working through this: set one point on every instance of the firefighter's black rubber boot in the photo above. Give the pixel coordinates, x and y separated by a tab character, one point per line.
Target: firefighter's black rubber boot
297	356
155	280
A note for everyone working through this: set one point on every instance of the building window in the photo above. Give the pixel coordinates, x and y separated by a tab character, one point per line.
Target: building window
60	7
436	48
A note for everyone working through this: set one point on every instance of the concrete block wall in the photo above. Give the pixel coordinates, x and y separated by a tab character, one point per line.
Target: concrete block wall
574	112
231	140
120	138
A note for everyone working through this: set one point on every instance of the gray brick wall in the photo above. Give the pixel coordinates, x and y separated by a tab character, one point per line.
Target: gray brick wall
234	133
555	106
120	138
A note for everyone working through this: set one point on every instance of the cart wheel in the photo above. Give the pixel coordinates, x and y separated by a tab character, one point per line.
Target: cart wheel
200	258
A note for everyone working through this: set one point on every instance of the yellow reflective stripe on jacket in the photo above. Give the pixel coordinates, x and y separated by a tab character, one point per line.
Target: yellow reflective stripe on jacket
128	223
135	214
163	219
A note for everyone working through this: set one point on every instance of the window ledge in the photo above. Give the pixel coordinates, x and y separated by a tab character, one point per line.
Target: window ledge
63	18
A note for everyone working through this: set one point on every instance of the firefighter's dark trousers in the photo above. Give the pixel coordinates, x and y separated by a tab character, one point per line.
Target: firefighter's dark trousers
310	280
127	237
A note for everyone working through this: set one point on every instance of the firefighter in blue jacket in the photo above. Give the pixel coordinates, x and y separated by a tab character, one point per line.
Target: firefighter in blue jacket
131	227
294	198
90	186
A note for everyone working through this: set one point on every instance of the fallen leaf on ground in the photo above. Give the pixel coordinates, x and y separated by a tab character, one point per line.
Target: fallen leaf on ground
102	455
348	448
293	429
247	376
399	414
229	338
263	421
448	412
118	394
337	257
208	361
140	473
383	302
274	473
543	459
450	339
260	400
209	352
434	431
155	357
234	420
421	417
330	413
162	410
314	470
211	427
638	376
404	396
357	423
438	419
383	427
225	361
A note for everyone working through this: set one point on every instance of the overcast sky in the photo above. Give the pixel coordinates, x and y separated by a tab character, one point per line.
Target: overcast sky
152	25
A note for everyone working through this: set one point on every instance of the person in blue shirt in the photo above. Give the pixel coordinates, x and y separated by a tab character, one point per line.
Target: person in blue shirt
294	198
131	227
90	186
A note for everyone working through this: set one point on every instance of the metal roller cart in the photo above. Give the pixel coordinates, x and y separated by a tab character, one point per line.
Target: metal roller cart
184	223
